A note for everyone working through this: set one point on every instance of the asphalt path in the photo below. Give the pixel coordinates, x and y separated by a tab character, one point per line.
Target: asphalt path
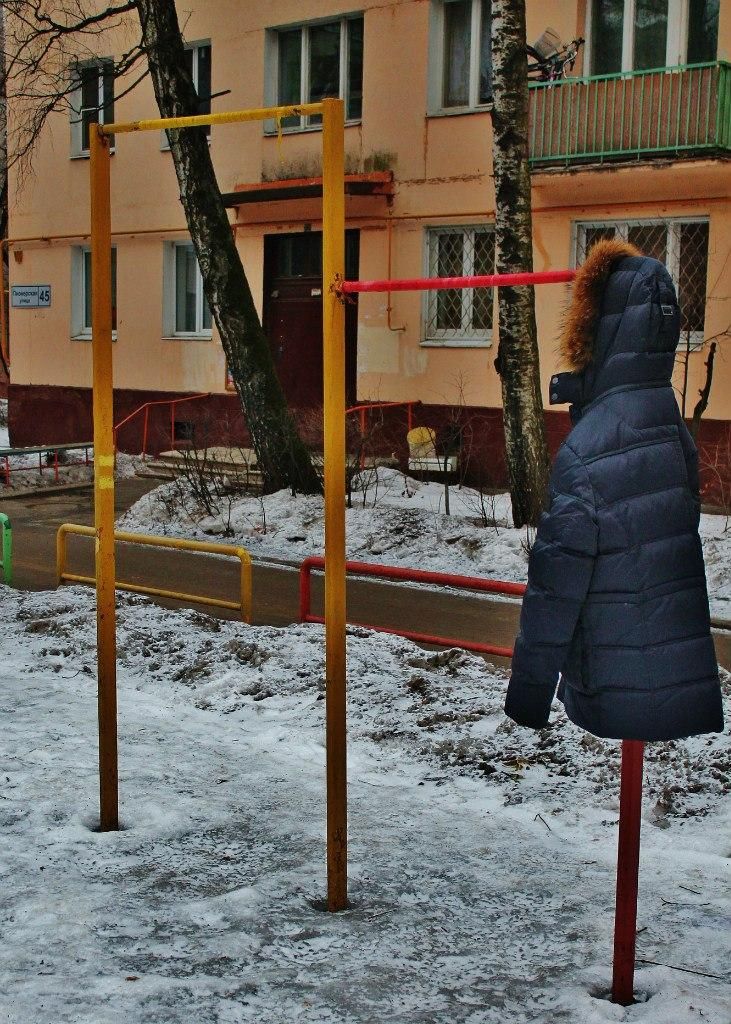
36	518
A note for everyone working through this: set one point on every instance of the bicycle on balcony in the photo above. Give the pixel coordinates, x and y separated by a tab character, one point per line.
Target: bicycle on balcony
549	60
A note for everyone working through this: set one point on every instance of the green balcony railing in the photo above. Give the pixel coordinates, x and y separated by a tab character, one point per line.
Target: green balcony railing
670	111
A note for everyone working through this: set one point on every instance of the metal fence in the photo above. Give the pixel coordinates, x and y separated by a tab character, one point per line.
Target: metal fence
609	117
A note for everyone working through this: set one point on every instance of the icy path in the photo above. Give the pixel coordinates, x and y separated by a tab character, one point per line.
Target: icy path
205	908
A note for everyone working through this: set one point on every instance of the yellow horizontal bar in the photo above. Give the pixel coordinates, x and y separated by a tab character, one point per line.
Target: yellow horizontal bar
198	120
138	588
179	544
163	542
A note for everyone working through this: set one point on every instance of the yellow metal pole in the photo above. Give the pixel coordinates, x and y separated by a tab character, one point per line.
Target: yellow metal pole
333	266
101	330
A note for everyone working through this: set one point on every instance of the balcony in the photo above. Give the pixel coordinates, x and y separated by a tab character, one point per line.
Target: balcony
669	112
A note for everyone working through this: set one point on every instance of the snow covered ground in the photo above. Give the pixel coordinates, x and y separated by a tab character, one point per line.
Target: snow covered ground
394	520
481	858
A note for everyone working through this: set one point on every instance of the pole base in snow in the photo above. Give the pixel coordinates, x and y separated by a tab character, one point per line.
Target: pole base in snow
628	866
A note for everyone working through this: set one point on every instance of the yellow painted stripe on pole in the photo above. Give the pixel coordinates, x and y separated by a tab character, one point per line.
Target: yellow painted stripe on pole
333	268
199	120
101	333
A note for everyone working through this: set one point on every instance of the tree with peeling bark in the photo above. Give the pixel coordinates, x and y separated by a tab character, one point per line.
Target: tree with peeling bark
517	360
44	42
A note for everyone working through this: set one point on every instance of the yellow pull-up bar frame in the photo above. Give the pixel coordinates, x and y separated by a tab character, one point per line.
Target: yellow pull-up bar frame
333	269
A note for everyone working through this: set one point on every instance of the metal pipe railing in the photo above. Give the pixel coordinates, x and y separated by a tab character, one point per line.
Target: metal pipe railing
173	402
243	605
393	572
629	114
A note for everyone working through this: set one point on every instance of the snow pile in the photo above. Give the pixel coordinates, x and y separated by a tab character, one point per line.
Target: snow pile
395	520
481	855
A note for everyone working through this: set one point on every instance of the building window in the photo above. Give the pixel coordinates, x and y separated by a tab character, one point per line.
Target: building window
198	62
638	35
682	245
81	291
460	316
311	62
461	56
92	101
186	311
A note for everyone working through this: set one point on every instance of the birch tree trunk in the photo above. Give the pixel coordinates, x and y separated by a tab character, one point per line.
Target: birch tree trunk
517	359
283	458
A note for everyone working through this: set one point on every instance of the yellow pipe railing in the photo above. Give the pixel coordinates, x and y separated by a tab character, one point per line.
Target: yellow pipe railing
200	120
243	605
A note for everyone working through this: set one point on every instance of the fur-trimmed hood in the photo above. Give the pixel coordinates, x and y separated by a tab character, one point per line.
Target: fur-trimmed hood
579	328
622	327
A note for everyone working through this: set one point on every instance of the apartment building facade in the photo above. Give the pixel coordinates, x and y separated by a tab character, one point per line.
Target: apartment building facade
635	143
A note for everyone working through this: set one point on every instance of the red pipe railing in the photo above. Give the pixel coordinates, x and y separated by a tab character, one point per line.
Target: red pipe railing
421	284
172	402
394	572
365	407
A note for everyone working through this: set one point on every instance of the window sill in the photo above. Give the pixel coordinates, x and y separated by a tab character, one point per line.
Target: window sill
84	154
188	337
273	133
457	343
87	337
460	111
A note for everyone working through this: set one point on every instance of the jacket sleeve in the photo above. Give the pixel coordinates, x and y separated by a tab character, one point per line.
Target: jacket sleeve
690	454
559	572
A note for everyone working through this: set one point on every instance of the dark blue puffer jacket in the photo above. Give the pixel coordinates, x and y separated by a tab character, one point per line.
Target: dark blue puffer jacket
616	599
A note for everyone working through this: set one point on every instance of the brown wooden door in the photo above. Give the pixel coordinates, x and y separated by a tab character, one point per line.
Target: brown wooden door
294	328
293	315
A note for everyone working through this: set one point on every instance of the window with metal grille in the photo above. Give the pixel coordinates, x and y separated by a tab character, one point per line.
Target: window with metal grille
682	245
460	315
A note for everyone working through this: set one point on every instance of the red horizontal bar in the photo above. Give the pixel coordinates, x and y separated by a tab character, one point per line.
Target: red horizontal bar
428	638
412	576
417	284
447	579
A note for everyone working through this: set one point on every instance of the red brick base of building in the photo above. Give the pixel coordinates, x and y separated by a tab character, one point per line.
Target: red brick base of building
45	414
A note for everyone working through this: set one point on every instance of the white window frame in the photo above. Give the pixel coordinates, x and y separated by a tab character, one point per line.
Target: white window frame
81	331
672	226
271	83
436	62
77	147
676	49
195	47
169	297
458	338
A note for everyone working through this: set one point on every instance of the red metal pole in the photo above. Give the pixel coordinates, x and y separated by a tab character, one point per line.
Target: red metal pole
362	437
417	284
144	432
172	426
628	867
305	589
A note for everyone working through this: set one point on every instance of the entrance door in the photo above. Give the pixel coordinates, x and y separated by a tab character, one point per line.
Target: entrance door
293	314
